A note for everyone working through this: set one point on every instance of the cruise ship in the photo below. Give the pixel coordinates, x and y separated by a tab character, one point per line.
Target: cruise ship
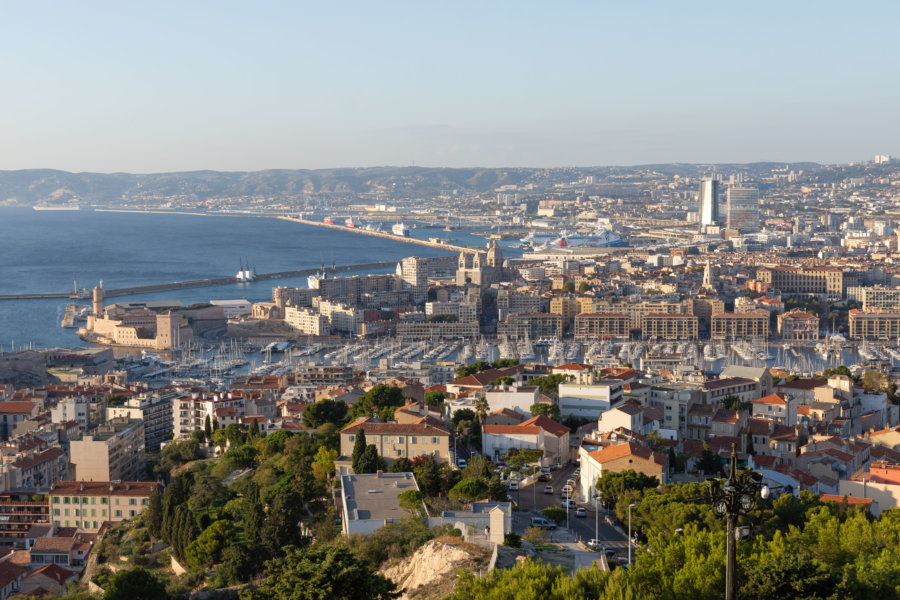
536	238
400	229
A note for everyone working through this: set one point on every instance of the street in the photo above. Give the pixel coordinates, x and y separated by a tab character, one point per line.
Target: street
531	499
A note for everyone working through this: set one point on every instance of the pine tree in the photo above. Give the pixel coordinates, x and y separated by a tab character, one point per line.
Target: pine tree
359	446
252	513
207	428
154	515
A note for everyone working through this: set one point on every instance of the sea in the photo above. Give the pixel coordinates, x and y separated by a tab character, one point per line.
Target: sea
48	251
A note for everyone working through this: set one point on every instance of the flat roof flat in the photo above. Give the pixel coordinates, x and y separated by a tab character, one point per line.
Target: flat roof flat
374	496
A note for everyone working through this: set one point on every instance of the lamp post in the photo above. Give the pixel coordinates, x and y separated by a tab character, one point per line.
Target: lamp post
596	517
731	500
630	506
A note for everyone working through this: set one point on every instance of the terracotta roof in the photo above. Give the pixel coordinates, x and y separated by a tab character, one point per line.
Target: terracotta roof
9	572
803	384
777	399
102	488
54	572
629	408
759	426
16	407
571	366
611	453
378	428
764	460
723	415
53	544
851	500
547	424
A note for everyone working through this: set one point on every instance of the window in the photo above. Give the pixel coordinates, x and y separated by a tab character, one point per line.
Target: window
93	512
352	438
434	440
132	501
66	500
119	514
374	438
412	440
103	513
67	513
103	500
399	439
55	499
93	500
84	500
399	452
55	512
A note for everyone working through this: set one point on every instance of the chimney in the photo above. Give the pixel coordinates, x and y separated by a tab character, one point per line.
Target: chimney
378	474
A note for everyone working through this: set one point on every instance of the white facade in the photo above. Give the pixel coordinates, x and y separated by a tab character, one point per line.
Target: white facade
497	444
306	321
588	401
519	399
73	408
621	417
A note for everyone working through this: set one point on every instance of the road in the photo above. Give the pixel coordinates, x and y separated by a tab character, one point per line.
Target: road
532	499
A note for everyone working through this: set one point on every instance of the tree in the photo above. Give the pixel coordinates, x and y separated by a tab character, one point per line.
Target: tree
548	384
320	572
380	401
323	463
613	486
536	535
788	576
252	513
207	428
583	287
434	398
281	527
369	462
401	465
568	287
428	475
710	462
469	489
519	457
135	583
153	516
481	409
557	514
411	500
462	415
240	562
735	403
551	411
325	411
359	446
207	549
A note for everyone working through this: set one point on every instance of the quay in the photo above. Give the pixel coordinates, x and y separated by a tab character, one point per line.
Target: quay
207	282
384	235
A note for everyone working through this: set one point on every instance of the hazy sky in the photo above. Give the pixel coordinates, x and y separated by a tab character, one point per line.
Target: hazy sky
165	86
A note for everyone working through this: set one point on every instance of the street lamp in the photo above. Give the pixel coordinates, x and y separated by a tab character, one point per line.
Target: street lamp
731	500
630	506
596	516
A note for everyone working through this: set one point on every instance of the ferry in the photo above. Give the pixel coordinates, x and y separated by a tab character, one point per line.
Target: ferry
328	221
349	222
400	229
600	239
60	207
536	238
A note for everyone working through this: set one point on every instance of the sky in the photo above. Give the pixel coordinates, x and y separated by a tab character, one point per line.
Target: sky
175	86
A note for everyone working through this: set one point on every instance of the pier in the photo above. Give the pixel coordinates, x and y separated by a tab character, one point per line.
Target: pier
199	283
384	235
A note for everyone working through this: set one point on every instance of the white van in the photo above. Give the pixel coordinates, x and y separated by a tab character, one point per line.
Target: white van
512	485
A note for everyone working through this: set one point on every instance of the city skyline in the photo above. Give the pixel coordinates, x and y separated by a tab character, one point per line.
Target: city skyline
180	88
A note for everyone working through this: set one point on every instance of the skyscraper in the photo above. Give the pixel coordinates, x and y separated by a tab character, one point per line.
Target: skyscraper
742	207
709	202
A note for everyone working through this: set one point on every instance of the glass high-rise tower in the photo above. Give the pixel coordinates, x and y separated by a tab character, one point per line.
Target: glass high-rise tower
742	207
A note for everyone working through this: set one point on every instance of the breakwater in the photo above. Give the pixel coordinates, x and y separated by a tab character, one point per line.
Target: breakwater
200	283
384	235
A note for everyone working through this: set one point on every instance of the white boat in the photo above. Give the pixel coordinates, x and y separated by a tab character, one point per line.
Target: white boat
400	228
60	207
245	275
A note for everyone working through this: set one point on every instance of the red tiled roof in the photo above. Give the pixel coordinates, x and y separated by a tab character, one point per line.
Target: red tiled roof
54	572
611	453
851	500
547	424
12	407
777	399
378	428
511	429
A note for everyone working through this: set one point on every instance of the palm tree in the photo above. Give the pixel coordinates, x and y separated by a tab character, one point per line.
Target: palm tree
481	409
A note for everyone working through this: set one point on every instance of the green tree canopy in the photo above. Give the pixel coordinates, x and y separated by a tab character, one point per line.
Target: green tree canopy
613	485
325	411
550	411
469	489
135	583
379	401
549	384
321	572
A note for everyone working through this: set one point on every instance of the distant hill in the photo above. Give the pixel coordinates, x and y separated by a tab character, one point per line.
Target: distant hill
28	187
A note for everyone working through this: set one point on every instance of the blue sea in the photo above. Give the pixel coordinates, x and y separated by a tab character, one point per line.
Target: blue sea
43	251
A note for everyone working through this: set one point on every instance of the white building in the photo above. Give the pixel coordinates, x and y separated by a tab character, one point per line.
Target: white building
518	398
628	415
306	321
370	502
588	401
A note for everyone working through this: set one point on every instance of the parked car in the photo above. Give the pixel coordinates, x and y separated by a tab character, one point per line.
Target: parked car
548	489
594	544
542	523
512	485
580	512
568	504
556	466
461	463
545	477
566	490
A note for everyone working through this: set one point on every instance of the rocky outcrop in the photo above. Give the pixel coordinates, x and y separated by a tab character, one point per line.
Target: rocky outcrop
432	571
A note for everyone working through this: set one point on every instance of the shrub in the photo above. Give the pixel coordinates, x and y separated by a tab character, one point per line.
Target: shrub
513	540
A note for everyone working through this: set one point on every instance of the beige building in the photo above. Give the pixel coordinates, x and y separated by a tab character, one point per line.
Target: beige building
874	325
798	325
306	321
113	451
88	504
565	306
535	326
400	440
413	331
705	308
727	326
828	281
595	325
670	326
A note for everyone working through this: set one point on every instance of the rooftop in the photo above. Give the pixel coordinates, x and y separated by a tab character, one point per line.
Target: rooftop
374	496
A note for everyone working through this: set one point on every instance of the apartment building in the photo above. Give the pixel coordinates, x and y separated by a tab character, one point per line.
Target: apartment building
535	326
18	512
728	326
113	451
670	326
437	330
154	409
798	325
88	504
306	321
875	325
589	326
